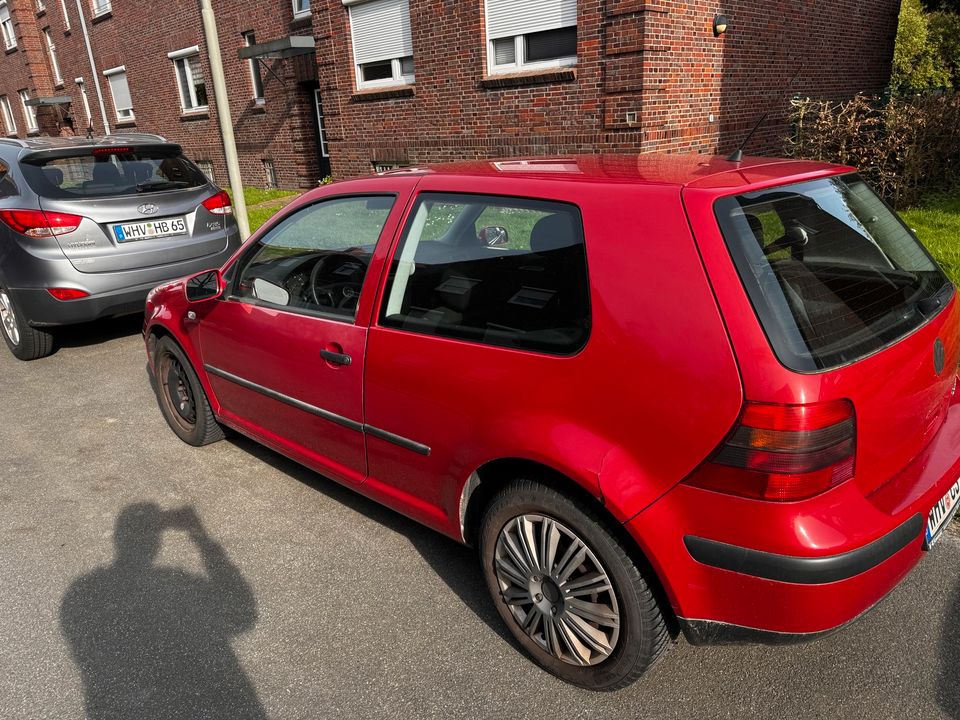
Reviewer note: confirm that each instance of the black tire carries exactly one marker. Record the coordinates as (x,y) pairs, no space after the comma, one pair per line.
(642,634)
(27,343)
(181,397)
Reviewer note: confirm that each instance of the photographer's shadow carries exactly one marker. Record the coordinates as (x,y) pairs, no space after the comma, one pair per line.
(153,641)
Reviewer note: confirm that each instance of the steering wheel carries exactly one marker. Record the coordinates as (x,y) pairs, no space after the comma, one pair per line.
(343,295)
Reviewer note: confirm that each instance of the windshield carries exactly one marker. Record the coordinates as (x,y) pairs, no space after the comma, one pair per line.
(110,172)
(831,270)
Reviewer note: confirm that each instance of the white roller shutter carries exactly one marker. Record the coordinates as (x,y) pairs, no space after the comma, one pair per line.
(506,18)
(120,90)
(381,30)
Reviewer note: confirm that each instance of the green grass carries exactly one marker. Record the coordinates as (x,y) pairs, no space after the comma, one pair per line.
(256,196)
(937,223)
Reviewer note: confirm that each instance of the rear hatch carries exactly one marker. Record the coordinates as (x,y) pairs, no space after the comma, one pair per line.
(140,205)
(846,293)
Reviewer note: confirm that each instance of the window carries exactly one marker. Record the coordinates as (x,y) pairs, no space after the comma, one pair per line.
(54,63)
(206,167)
(101,7)
(382,42)
(193,88)
(29,111)
(321,127)
(9,123)
(122,102)
(40,6)
(301,8)
(499,271)
(256,80)
(531,34)
(76,174)
(269,173)
(316,259)
(831,271)
(6,26)
(66,15)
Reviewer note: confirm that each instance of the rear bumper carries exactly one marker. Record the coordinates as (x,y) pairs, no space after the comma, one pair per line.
(738,570)
(111,294)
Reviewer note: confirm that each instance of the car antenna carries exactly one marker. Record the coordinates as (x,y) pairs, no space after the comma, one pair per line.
(737,155)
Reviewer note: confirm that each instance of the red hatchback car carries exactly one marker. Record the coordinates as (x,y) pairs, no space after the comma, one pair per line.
(658,393)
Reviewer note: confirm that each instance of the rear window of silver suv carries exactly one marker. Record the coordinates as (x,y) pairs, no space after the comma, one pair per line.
(832,272)
(109,172)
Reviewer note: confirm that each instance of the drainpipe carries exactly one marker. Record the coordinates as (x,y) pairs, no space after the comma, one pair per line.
(223,115)
(93,68)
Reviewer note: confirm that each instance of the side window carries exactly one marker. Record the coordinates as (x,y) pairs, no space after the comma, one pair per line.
(494,270)
(316,259)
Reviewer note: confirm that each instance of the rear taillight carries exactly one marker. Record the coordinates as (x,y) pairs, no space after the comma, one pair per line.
(40,224)
(219,204)
(67,293)
(784,452)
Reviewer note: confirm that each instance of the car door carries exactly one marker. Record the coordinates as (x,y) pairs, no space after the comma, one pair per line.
(284,349)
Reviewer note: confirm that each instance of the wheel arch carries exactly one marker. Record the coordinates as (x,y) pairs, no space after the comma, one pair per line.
(155,332)
(484,483)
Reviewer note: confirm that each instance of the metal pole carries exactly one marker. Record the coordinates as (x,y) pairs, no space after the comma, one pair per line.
(93,69)
(223,115)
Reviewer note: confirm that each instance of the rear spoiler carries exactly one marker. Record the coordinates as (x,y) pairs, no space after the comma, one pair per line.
(38,157)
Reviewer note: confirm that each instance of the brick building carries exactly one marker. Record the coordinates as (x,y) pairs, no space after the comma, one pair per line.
(150,61)
(413,81)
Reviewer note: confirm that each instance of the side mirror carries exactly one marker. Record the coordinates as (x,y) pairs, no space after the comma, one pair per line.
(204,286)
(493,236)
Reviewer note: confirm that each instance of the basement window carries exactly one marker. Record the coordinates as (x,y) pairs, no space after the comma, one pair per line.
(101,7)
(270,174)
(531,34)
(382,42)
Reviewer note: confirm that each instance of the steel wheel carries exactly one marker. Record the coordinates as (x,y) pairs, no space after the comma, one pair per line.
(177,391)
(8,319)
(557,590)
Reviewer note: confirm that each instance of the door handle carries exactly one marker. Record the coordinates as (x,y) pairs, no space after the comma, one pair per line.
(336,358)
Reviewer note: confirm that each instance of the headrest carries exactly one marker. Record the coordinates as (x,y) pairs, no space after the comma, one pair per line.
(552,233)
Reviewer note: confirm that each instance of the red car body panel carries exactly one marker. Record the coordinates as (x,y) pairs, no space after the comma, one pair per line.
(674,351)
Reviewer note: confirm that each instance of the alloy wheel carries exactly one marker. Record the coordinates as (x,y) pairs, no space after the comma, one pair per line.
(8,320)
(557,590)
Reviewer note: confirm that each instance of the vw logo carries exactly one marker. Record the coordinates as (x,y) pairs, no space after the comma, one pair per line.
(939,356)
(148,209)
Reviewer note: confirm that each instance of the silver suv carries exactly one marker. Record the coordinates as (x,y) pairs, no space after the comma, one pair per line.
(89,226)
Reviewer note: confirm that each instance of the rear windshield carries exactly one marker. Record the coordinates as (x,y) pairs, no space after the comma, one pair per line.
(110,172)
(831,270)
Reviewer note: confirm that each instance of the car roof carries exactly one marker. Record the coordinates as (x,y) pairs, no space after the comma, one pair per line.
(682,170)
(79,141)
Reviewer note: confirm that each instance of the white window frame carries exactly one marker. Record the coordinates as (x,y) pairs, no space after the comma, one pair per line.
(101,7)
(520,63)
(66,15)
(40,6)
(9,121)
(256,78)
(121,69)
(54,62)
(6,26)
(186,55)
(299,14)
(29,111)
(397,76)
(321,127)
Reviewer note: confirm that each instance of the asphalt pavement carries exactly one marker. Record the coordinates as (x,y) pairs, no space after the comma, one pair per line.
(141,578)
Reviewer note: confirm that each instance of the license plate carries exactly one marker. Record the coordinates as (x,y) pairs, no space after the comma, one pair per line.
(128,232)
(941,514)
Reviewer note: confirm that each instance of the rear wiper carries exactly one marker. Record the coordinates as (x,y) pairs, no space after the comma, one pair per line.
(161,184)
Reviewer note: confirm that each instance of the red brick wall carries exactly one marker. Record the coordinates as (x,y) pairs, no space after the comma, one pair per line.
(660,60)
(139,36)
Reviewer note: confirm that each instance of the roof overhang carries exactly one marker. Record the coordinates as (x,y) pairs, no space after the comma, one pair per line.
(280,49)
(54,100)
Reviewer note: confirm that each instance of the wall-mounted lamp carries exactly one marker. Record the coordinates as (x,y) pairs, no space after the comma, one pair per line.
(720,23)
